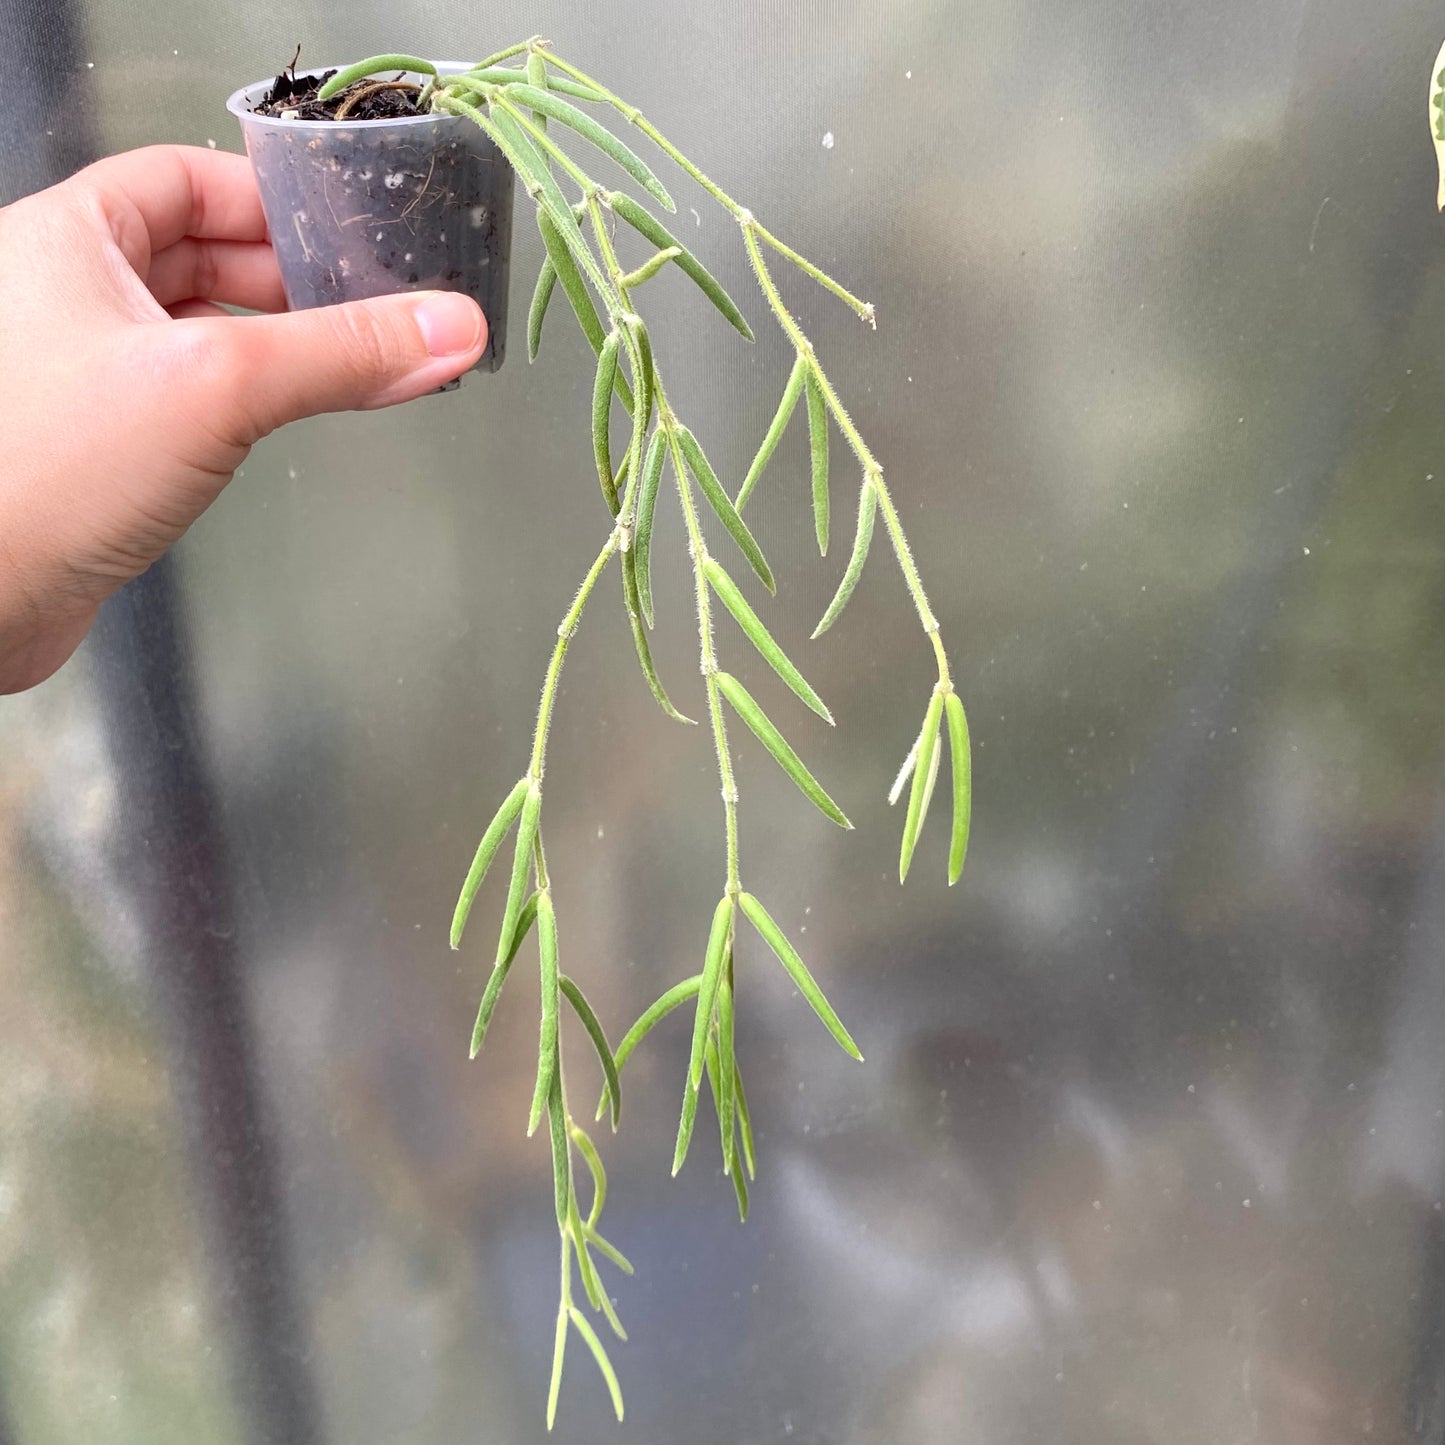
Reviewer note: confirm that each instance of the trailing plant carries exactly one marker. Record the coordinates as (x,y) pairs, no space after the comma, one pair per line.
(523,97)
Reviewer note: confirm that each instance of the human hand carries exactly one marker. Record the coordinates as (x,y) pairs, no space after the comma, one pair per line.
(130,397)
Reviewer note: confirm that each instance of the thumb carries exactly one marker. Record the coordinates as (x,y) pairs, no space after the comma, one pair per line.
(263,371)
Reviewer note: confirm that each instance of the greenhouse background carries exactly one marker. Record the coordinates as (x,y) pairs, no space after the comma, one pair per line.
(1150,1140)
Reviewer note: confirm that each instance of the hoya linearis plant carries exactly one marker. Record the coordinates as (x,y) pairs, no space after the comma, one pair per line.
(519,97)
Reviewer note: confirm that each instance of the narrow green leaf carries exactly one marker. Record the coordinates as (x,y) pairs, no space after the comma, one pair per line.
(779,424)
(537,75)
(639,638)
(712,971)
(561,1161)
(726,1086)
(961,758)
(867,510)
(521,865)
(588,1150)
(745,1123)
(609,1314)
(739,1178)
(493,990)
(610,1250)
(650,267)
(574,287)
(583,1010)
(559,1350)
(759,917)
(535,171)
(677,995)
(718,500)
(648,226)
(545,102)
(818,445)
(777,745)
(602,389)
(497,829)
(547,1045)
(684,1126)
(642,529)
(585,1267)
(760,637)
(537,312)
(648,381)
(373,66)
(922,782)
(584,1328)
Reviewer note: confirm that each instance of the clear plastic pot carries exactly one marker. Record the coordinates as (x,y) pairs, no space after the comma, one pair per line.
(367,208)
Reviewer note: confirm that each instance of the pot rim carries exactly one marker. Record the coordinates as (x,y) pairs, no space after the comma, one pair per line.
(240,101)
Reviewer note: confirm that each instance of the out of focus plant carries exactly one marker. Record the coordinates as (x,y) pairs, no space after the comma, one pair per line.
(515,96)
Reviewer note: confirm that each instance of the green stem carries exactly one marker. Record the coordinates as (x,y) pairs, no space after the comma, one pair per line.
(565,631)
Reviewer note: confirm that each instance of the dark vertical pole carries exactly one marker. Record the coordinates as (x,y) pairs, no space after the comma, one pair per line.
(178,878)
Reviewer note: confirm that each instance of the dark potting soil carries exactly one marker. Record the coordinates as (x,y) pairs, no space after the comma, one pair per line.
(293,97)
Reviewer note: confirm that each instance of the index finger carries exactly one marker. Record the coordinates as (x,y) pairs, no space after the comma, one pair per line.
(156,196)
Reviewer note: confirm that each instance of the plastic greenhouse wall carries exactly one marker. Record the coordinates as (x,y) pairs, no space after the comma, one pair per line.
(1150,1143)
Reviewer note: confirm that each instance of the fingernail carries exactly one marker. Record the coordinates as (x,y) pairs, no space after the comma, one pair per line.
(451,325)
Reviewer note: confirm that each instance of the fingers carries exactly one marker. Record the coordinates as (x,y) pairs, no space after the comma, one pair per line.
(239,273)
(154,196)
(245,376)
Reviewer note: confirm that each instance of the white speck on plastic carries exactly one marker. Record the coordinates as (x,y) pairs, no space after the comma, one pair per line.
(1246,1203)
(393,181)
(827,140)
(477,215)
(406,256)
(908,75)
(1307,551)
(291,473)
(599,830)
(90,65)
(378,235)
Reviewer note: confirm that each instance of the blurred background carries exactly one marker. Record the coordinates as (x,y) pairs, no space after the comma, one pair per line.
(1150,1141)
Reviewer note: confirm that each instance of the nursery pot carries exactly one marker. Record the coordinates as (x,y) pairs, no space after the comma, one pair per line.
(371,207)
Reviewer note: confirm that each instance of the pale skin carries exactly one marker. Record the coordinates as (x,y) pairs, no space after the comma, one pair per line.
(130,396)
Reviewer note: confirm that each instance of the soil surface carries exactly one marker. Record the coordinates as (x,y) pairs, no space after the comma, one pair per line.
(377,97)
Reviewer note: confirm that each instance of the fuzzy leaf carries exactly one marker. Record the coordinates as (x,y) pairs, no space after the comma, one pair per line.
(547,1044)
(493,990)
(374,66)
(684,1126)
(584,1011)
(588,1150)
(648,226)
(497,829)
(818,446)
(726,1088)
(651,267)
(537,312)
(718,500)
(574,286)
(922,782)
(521,865)
(959,755)
(761,638)
(677,995)
(745,1124)
(712,971)
(610,1250)
(561,1160)
(779,424)
(602,389)
(772,935)
(642,530)
(584,1328)
(867,510)
(639,638)
(777,745)
(559,1351)
(544,102)
(510,75)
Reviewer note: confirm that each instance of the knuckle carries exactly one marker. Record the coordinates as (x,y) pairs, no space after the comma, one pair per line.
(374,347)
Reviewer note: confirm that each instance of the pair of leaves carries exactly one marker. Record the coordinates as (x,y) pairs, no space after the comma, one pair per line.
(569,1315)
(804,378)
(923,763)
